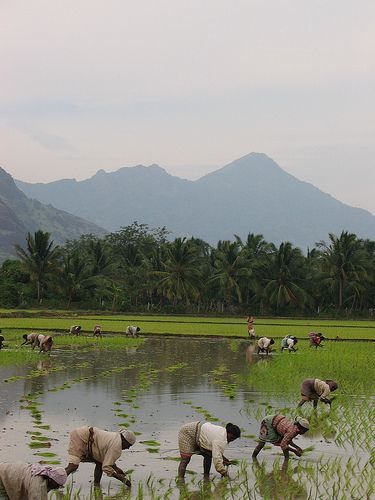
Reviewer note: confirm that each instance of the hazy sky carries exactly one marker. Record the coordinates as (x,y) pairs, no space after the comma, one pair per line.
(190,85)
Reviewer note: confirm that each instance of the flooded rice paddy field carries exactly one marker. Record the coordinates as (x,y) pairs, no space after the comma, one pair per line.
(157,384)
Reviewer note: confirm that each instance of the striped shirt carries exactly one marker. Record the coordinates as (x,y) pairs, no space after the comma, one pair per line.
(285,428)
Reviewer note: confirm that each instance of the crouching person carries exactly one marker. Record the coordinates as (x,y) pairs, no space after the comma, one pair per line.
(45,344)
(75,330)
(132,331)
(280,431)
(22,481)
(264,345)
(1,341)
(314,389)
(103,448)
(289,343)
(32,339)
(208,440)
(97,331)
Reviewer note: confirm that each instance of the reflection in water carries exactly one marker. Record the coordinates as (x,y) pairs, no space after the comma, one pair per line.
(250,353)
(44,364)
(279,483)
(204,489)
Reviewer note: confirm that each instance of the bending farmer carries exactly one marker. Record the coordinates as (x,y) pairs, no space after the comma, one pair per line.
(103,448)
(264,345)
(313,389)
(22,481)
(289,342)
(209,440)
(280,431)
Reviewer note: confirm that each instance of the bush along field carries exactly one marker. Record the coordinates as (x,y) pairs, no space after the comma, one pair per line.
(153,384)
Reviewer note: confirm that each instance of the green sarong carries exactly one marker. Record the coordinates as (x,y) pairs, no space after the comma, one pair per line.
(267,433)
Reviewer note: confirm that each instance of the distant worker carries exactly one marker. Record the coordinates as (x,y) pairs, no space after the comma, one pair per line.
(97,331)
(45,344)
(264,345)
(316,339)
(32,339)
(288,342)
(250,327)
(280,431)
(1,340)
(103,448)
(314,389)
(209,440)
(75,330)
(132,331)
(22,481)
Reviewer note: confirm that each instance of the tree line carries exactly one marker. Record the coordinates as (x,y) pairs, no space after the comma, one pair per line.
(139,269)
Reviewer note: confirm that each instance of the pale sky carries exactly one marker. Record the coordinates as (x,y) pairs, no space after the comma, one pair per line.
(190,85)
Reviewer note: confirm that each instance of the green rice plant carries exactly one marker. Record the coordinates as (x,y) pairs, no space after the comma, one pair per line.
(188,325)
(38,444)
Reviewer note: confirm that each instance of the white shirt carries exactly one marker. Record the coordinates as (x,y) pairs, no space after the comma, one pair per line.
(264,342)
(214,438)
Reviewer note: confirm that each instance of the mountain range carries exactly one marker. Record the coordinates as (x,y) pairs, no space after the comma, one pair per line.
(20,215)
(251,194)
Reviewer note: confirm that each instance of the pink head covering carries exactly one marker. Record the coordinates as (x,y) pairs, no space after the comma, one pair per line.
(58,474)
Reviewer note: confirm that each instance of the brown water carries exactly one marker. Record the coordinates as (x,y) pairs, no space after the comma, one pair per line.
(162,402)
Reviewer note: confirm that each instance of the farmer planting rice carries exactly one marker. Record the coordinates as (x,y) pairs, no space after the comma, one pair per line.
(280,431)
(208,440)
(264,345)
(103,448)
(1,341)
(313,389)
(45,344)
(22,481)
(316,339)
(32,339)
(97,331)
(288,342)
(132,331)
(75,330)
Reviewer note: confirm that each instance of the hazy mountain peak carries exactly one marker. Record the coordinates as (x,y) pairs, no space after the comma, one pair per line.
(251,194)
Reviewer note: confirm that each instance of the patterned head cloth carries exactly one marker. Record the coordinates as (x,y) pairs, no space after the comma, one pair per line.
(303,422)
(129,436)
(58,474)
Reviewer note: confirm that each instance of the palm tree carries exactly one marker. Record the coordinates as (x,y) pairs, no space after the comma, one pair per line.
(39,259)
(230,270)
(343,260)
(286,270)
(73,276)
(257,252)
(180,277)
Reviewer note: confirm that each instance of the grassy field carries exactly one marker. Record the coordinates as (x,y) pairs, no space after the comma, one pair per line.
(188,325)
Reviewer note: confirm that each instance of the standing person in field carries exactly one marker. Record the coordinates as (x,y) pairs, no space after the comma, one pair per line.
(103,448)
(264,345)
(288,342)
(22,481)
(32,339)
(250,327)
(313,389)
(280,431)
(45,344)
(132,331)
(75,330)
(209,440)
